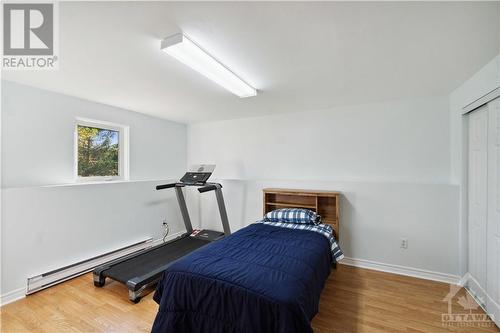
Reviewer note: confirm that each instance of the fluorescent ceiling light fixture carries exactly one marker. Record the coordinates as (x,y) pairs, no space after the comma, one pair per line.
(186,51)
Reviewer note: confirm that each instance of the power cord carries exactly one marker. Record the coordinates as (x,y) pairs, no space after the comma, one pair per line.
(166,229)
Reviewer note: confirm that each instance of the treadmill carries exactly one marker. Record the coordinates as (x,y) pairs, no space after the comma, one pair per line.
(142,269)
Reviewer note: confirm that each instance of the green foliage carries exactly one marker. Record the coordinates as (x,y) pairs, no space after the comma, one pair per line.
(97,152)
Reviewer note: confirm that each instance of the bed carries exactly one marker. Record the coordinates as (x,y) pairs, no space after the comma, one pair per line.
(263,278)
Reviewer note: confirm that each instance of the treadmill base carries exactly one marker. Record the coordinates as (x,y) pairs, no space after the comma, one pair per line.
(141,271)
(135,296)
(99,281)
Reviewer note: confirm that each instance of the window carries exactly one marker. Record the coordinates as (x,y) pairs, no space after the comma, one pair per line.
(100,151)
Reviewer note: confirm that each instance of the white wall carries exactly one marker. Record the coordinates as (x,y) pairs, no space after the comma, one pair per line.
(38,129)
(45,226)
(480,84)
(405,141)
(390,160)
(374,216)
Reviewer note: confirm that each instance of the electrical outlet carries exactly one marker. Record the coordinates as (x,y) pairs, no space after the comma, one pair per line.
(404,243)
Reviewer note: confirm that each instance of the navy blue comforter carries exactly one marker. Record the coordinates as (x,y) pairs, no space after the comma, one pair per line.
(260,279)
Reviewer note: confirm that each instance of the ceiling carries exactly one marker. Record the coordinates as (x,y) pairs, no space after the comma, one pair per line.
(300,56)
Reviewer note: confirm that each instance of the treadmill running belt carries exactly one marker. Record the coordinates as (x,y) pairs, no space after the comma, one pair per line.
(154,259)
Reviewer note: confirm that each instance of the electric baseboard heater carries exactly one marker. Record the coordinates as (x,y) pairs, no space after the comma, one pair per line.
(48,279)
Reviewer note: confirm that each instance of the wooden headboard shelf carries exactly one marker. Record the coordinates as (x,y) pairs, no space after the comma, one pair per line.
(325,203)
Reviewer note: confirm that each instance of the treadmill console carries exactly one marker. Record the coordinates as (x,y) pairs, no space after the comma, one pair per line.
(193,178)
(198,174)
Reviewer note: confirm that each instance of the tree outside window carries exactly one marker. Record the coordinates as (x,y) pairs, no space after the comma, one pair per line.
(98,152)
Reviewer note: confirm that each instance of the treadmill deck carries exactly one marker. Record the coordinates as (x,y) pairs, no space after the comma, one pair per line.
(155,259)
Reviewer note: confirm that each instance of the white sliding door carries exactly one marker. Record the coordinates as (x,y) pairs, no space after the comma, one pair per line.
(493,227)
(484,206)
(478,175)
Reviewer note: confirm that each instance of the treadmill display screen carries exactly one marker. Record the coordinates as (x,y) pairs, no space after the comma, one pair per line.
(192,178)
(198,174)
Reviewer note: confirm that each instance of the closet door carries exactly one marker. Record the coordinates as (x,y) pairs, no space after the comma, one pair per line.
(478,169)
(493,238)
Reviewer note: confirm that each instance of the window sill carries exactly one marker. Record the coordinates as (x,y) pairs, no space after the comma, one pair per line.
(103,182)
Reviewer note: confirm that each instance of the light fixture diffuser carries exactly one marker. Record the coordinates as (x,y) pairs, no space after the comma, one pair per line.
(189,53)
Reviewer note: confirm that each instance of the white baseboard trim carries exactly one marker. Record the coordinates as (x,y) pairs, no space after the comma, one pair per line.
(480,301)
(401,270)
(12,296)
(474,288)
(493,310)
(463,280)
(485,301)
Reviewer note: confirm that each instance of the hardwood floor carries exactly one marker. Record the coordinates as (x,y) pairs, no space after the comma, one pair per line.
(354,300)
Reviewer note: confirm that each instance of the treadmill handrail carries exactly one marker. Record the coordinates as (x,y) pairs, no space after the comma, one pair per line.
(202,188)
(210,187)
(161,187)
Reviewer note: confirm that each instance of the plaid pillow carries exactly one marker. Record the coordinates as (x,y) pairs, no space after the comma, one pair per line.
(293,215)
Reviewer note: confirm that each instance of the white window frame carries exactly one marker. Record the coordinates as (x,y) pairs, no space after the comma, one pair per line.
(123,149)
